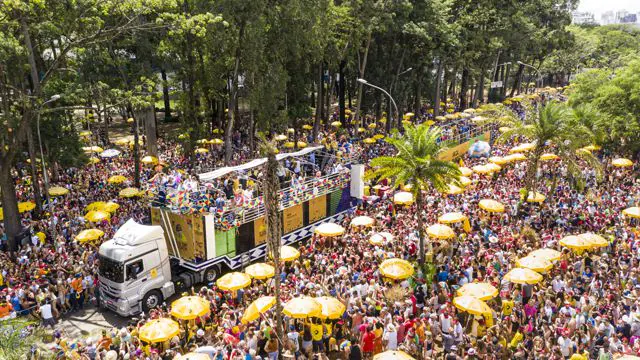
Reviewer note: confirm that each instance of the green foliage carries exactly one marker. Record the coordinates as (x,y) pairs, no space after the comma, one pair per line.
(17,336)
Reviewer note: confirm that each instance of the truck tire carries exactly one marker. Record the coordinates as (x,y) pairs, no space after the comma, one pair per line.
(151,300)
(210,275)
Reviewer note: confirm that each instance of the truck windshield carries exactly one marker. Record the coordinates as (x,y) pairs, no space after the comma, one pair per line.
(111,269)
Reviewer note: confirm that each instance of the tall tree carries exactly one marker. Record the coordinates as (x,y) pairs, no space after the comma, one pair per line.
(417,164)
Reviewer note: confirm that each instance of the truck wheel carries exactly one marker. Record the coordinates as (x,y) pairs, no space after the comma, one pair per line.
(210,275)
(151,300)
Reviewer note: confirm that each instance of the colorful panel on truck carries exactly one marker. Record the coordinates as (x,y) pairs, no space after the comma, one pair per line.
(292,219)
(317,209)
(226,243)
(459,150)
(188,231)
(260,231)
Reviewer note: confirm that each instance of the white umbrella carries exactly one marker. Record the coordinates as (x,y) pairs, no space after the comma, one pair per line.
(109,153)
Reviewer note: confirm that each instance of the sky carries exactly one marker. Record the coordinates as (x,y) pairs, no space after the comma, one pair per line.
(600,6)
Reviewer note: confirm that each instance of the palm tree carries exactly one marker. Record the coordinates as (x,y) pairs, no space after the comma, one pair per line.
(271,187)
(417,164)
(554,128)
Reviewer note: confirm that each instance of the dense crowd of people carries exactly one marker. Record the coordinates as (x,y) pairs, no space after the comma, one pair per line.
(586,306)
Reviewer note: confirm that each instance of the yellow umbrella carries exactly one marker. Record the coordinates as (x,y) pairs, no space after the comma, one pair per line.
(216,141)
(58,191)
(378,136)
(329,229)
(289,145)
(158,330)
(454,190)
(482,169)
(534,263)
(594,240)
(493,167)
(291,130)
(535,197)
(403,198)
(259,306)
(522,148)
(472,305)
(574,242)
(96,205)
(515,157)
(85,133)
(440,231)
(393,355)
(482,291)
(380,238)
(289,253)
(549,156)
(129,192)
(369,141)
(190,307)
(93,160)
(194,356)
(307,127)
(302,307)
(491,205)
(336,124)
(234,281)
(409,114)
(592,147)
(469,110)
(464,181)
(455,217)
(627,357)
(201,151)
(92,149)
(523,276)
(546,253)
(361,129)
(621,162)
(396,269)
(633,212)
(281,137)
(497,160)
(97,216)
(26,206)
(465,171)
(504,129)
(122,142)
(110,207)
(362,221)
(260,271)
(116,179)
(89,235)
(149,160)
(332,308)
(372,126)
(302,144)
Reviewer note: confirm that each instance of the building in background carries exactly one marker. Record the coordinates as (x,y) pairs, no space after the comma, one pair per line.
(607,18)
(583,18)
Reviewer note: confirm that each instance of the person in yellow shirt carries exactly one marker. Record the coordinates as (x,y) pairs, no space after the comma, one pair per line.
(316,335)
(507,307)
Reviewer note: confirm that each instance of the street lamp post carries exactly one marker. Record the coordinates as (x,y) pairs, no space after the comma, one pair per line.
(44,168)
(532,67)
(365,82)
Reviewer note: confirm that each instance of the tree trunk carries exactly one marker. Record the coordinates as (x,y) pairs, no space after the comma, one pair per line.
(341,88)
(329,96)
(233,99)
(271,187)
(418,93)
(146,116)
(318,119)
(464,87)
(517,81)
(9,207)
(37,195)
(479,94)
(363,67)
(136,148)
(436,96)
(252,130)
(505,79)
(165,95)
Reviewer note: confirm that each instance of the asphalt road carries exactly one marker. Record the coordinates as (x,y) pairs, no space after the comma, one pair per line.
(89,322)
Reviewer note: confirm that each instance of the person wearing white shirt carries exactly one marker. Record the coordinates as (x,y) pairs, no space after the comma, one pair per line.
(566,345)
(390,337)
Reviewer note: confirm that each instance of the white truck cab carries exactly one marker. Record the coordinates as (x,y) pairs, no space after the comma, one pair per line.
(135,273)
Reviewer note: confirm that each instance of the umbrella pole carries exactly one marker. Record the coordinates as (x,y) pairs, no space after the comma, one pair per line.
(272,327)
